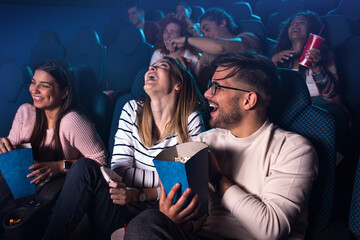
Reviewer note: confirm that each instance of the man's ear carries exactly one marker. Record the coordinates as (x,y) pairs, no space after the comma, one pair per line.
(250,100)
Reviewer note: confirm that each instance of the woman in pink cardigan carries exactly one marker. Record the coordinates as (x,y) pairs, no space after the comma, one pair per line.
(59,135)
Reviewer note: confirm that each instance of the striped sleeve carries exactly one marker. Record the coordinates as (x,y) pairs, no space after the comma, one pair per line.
(123,151)
(131,159)
(195,124)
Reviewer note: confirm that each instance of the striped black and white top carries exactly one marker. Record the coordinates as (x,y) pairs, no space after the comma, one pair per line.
(131,159)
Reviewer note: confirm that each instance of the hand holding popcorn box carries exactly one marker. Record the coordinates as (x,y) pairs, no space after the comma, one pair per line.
(186,163)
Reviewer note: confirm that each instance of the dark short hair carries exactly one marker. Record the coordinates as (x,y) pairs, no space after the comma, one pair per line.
(254,70)
(184,4)
(135,3)
(218,15)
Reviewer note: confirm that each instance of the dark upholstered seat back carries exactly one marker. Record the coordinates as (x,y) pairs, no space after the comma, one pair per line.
(137,91)
(125,58)
(292,110)
(15,80)
(354,218)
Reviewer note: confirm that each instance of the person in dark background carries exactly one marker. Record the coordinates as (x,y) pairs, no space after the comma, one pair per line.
(183,9)
(321,77)
(173,26)
(137,18)
(220,36)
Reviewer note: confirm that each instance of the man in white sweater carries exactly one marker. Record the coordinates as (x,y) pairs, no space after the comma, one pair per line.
(261,175)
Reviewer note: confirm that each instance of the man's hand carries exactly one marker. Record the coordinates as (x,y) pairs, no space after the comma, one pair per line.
(44,171)
(175,211)
(5,145)
(175,44)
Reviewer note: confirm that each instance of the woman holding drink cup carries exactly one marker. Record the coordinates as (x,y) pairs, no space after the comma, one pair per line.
(300,49)
(319,69)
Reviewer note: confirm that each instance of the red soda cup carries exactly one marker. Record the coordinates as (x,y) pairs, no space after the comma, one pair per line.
(314,41)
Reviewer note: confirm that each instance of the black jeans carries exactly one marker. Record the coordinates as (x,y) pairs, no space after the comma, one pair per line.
(153,224)
(85,191)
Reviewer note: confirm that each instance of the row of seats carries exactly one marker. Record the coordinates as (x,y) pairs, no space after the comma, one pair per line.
(113,65)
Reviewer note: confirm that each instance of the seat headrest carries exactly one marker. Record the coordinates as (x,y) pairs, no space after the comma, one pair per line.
(129,38)
(290,98)
(85,38)
(254,26)
(337,30)
(47,40)
(242,10)
(137,89)
(15,77)
(154,14)
(289,7)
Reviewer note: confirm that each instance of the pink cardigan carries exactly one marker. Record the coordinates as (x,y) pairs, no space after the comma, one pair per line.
(77,135)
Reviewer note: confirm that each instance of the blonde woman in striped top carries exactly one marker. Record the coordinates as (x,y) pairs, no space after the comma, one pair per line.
(165,118)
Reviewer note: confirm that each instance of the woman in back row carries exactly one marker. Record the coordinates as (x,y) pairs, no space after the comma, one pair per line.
(173,26)
(167,117)
(321,76)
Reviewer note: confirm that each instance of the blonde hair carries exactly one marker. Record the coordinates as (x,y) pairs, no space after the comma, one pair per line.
(188,100)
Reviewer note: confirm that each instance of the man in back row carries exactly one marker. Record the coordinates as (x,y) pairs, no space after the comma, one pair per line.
(261,175)
(136,16)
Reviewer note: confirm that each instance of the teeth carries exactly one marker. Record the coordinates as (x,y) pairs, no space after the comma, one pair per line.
(152,76)
(38,98)
(212,105)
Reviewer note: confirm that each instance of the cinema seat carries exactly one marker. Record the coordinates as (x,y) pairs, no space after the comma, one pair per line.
(292,110)
(125,58)
(87,49)
(47,47)
(15,80)
(137,92)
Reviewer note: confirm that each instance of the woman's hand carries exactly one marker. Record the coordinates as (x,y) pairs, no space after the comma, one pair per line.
(176,212)
(5,145)
(120,195)
(44,171)
(280,57)
(314,57)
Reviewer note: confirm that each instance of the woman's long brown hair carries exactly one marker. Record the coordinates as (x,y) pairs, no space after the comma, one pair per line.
(61,73)
(188,100)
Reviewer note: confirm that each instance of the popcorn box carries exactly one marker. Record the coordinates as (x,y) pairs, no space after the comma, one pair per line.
(14,166)
(193,173)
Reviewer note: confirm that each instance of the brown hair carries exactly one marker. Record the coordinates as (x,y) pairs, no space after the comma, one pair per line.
(185,29)
(61,73)
(188,100)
